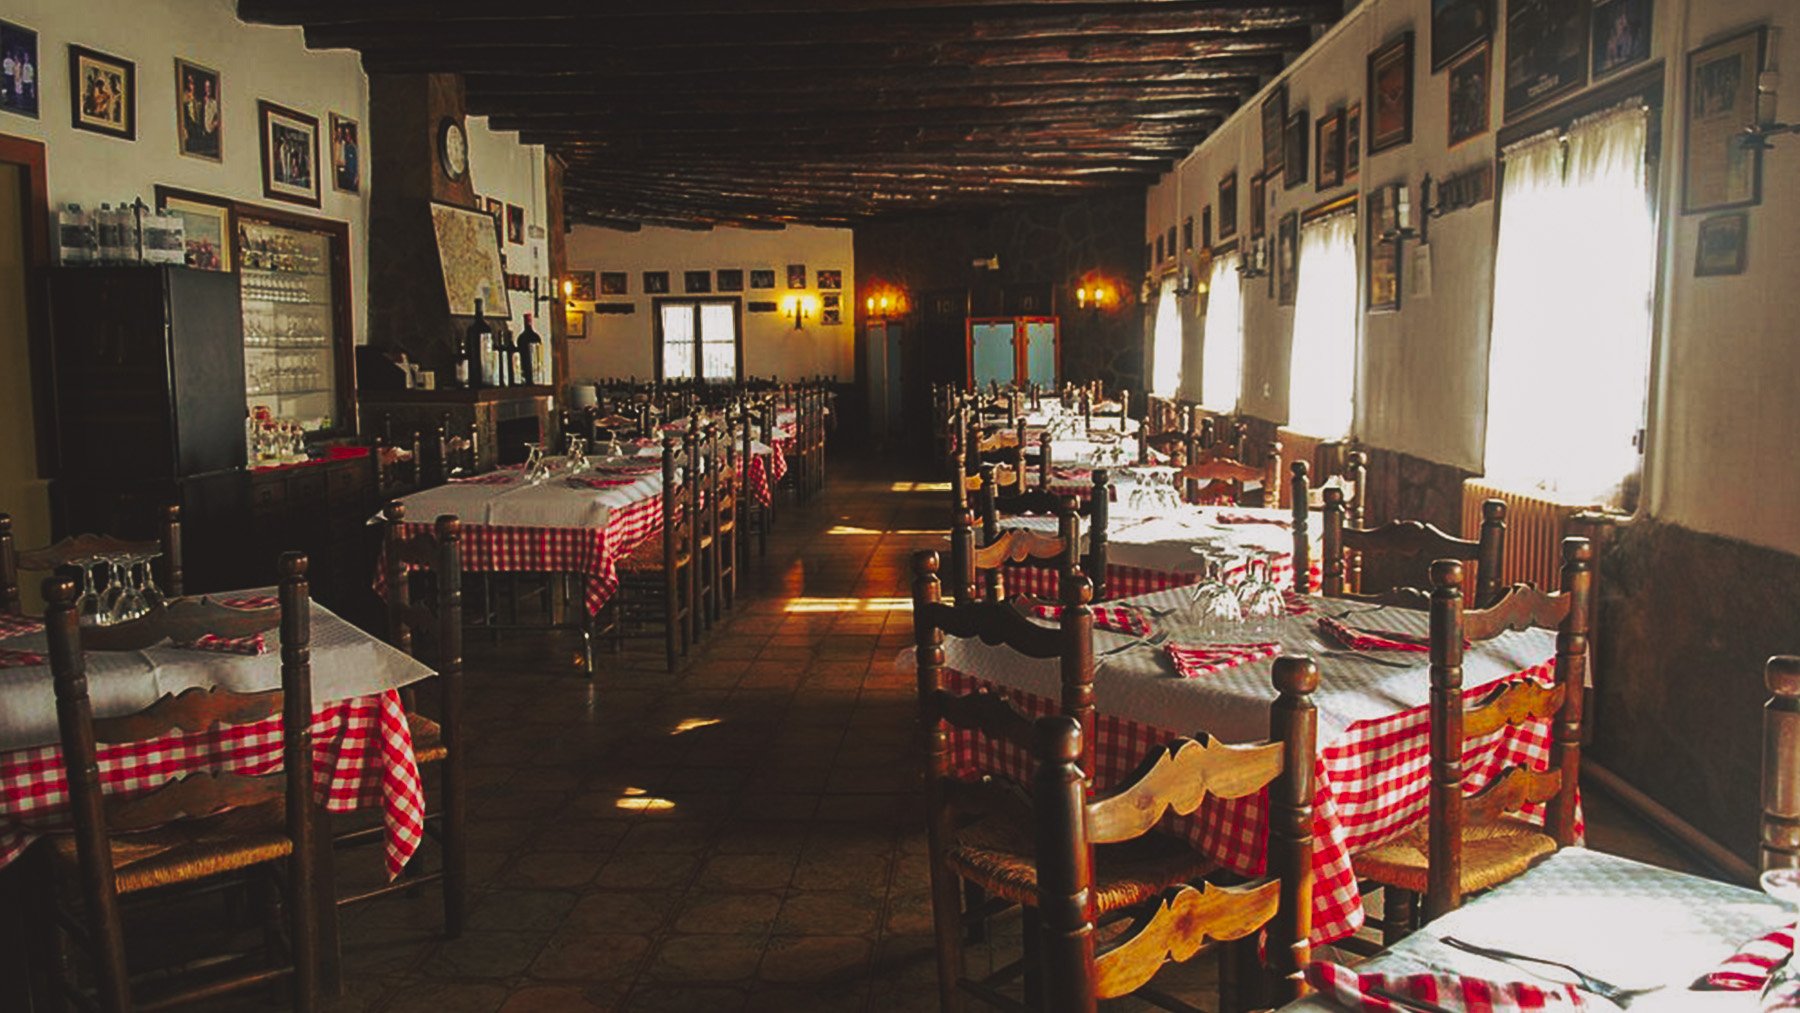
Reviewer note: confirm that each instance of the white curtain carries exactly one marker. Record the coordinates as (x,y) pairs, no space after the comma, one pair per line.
(1222,346)
(1322,376)
(678,341)
(1573,278)
(1165,344)
(718,341)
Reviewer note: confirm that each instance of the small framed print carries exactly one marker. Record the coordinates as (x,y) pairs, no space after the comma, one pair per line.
(1546,52)
(575,324)
(613,282)
(1458,26)
(831,280)
(19,81)
(290,154)
(207,226)
(583,282)
(730,279)
(1328,152)
(1293,170)
(831,308)
(1469,88)
(656,283)
(1159,248)
(1722,245)
(197,112)
(1287,258)
(1621,34)
(695,282)
(104,94)
(761,305)
(346,154)
(515,225)
(1259,206)
(1380,221)
(1274,126)
(1171,244)
(1206,233)
(1228,205)
(1390,95)
(1352,141)
(762,278)
(1717,171)
(796,276)
(1187,233)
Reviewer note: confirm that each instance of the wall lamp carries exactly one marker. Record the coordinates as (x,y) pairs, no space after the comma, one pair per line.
(884,303)
(1767,126)
(799,308)
(1097,296)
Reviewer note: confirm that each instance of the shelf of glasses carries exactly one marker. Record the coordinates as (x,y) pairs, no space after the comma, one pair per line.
(286,344)
(283,272)
(285,392)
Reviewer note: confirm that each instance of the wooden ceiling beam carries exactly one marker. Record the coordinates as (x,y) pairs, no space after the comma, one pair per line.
(671,121)
(1226,95)
(350,12)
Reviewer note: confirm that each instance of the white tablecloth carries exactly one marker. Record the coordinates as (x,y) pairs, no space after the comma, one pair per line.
(1166,540)
(551,503)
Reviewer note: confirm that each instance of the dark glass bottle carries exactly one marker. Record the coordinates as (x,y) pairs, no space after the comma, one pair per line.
(506,366)
(531,352)
(478,350)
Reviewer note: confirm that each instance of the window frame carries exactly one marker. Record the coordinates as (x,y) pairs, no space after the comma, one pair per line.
(737,326)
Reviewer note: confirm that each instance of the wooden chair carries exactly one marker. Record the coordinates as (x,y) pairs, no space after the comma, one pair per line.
(1781,764)
(1096,508)
(1299,492)
(191,831)
(1208,479)
(715,522)
(1470,843)
(657,579)
(53,557)
(752,515)
(727,514)
(433,556)
(983,573)
(1405,542)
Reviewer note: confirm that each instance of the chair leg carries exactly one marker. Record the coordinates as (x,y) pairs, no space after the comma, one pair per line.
(674,623)
(1033,946)
(973,899)
(1397,911)
(946,921)
(303,929)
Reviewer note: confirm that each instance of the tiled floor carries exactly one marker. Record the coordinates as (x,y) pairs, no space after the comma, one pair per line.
(742,835)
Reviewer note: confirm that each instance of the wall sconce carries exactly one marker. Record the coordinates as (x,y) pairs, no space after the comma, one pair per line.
(799,308)
(885,303)
(1757,137)
(1255,261)
(568,290)
(1095,296)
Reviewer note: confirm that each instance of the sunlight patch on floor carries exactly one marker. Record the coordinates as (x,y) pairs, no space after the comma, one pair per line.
(692,723)
(921,487)
(848,604)
(851,529)
(638,800)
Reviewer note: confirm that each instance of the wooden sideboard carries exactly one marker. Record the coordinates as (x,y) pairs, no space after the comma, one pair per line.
(504,418)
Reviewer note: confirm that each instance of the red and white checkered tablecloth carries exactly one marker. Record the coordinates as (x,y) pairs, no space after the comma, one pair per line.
(1373,783)
(362,757)
(766,471)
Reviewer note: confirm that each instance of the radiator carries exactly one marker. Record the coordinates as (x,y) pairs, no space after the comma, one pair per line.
(1534,532)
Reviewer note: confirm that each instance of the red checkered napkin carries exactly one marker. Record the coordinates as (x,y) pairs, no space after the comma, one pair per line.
(18,626)
(250,601)
(1074,474)
(1363,640)
(252,644)
(1451,992)
(10,658)
(1297,605)
(1749,968)
(599,483)
(1107,617)
(1230,518)
(1196,660)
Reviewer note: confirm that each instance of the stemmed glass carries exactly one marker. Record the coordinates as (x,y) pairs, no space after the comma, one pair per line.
(535,471)
(1263,604)
(114,595)
(129,604)
(577,454)
(1216,604)
(88,605)
(1782,992)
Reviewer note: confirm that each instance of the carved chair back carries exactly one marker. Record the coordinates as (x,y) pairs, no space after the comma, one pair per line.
(1408,541)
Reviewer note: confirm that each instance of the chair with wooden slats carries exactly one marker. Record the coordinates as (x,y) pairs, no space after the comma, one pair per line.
(1410,546)
(657,579)
(1471,842)
(726,515)
(983,562)
(1223,480)
(1299,492)
(1780,836)
(166,547)
(433,559)
(189,832)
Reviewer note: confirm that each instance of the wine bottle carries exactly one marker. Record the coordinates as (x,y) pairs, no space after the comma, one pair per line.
(530,354)
(509,357)
(478,351)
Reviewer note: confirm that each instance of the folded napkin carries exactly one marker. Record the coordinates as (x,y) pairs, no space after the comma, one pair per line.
(1107,617)
(1749,968)
(1196,660)
(1297,605)
(1452,992)
(10,658)
(1231,518)
(250,601)
(251,645)
(1073,474)
(491,478)
(593,482)
(18,626)
(1364,640)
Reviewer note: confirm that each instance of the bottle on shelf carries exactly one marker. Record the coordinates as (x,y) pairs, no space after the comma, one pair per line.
(507,354)
(478,352)
(531,354)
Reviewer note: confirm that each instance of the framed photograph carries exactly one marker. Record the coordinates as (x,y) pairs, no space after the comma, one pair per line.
(1723,239)
(1352,141)
(1274,126)
(613,282)
(1187,233)
(731,279)
(290,154)
(1293,155)
(656,283)
(831,308)
(1391,94)
(495,208)
(1380,218)
(1621,34)
(103,92)
(197,112)
(582,283)
(1206,232)
(19,69)
(761,305)
(695,282)
(1171,246)
(796,276)
(1159,249)
(831,279)
(346,154)
(1546,52)
(1228,205)
(1287,258)
(575,324)
(1458,26)
(207,226)
(1716,171)
(762,278)
(1259,206)
(1328,151)
(515,224)
(1469,90)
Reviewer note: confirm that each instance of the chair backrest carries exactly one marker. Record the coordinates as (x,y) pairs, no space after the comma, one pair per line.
(1177,777)
(433,552)
(1781,764)
(11,601)
(52,557)
(1299,490)
(1207,478)
(1410,542)
(680,502)
(1096,508)
(988,558)
(1514,702)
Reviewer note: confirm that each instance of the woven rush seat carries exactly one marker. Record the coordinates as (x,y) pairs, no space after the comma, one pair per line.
(997,853)
(188,849)
(1492,853)
(427,738)
(648,558)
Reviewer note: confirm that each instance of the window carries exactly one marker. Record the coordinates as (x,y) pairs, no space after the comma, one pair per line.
(1573,278)
(1165,344)
(1222,347)
(1322,377)
(698,338)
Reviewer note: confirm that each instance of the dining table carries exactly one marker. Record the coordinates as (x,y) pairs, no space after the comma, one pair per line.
(1644,929)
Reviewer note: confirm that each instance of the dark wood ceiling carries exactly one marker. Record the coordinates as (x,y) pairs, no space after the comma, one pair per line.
(761,112)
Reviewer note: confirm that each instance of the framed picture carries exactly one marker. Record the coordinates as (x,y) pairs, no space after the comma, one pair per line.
(1228,205)
(469,256)
(346,154)
(1187,233)
(762,278)
(1546,52)
(1716,171)
(656,283)
(1159,249)
(1352,141)
(496,209)
(831,279)
(1287,258)
(731,279)
(290,154)
(1621,34)
(1293,155)
(1274,126)
(612,282)
(515,224)
(831,308)
(207,226)
(103,90)
(1391,95)
(19,69)
(1328,151)
(1171,246)
(1380,219)
(609,309)
(197,112)
(1722,245)
(583,282)
(761,305)
(1458,26)
(796,276)
(694,282)
(1469,90)
(575,324)
(1259,206)
(1206,233)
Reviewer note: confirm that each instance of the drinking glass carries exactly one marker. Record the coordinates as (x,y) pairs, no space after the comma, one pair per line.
(114,593)
(88,605)
(1263,604)
(130,603)
(1782,992)
(1217,608)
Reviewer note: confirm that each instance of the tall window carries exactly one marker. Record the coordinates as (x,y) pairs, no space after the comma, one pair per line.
(1573,274)
(1165,344)
(697,338)
(1322,377)
(1222,346)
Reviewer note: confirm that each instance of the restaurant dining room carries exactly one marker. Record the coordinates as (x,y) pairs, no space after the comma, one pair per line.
(869,506)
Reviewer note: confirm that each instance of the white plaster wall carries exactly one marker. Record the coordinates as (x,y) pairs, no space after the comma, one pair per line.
(621,345)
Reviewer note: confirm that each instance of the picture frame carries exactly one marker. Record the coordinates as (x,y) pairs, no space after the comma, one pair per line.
(1722,246)
(1390,94)
(1293,156)
(796,276)
(1352,141)
(102,93)
(831,279)
(1717,172)
(762,277)
(1470,83)
(831,308)
(583,285)
(1187,233)
(208,227)
(22,80)
(1287,258)
(1382,284)
(346,154)
(656,283)
(1259,206)
(1159,248)
(610,309)
(615,283)
(290,154)
(730,279)
(575,324)
(1228,205)
(199,116)
(1206,229)
(1621,34)
(761,305)
(1274,127)
(696,282)
(515,224)
(1458,26)
(1546,52)
(469,255)
(1328,152)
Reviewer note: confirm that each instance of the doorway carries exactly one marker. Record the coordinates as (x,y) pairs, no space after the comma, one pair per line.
(24,250)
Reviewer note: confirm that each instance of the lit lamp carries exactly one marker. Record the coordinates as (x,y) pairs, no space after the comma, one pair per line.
(1094,295)
(798,308)
(568,294)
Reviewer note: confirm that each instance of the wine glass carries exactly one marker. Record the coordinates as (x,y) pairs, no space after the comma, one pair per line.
(1263,604)
(1782,992)
(114,593)
(1217,607)
(88,605)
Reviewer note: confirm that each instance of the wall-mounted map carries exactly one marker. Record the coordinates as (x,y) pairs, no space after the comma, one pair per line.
(469,251)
